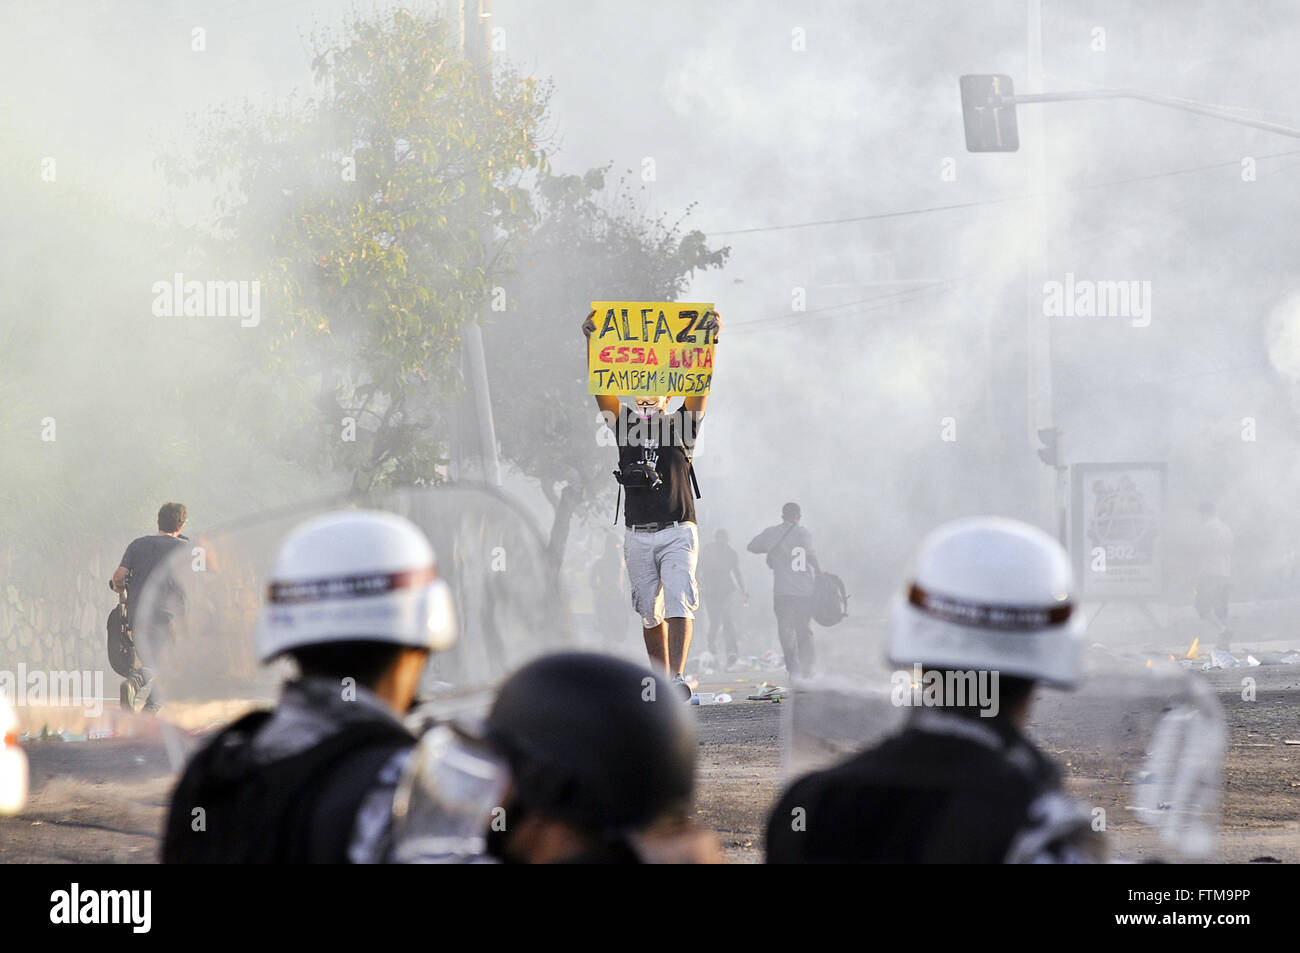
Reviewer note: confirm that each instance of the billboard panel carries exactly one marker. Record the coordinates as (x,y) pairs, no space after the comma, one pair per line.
(1116,537)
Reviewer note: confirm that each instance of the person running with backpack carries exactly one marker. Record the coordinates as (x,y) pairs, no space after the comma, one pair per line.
(790,555)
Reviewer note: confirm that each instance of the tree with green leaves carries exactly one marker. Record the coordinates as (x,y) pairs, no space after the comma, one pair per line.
(378,216)
(592,242)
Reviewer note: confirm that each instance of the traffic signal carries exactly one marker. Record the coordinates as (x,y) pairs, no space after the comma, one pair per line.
(989,113)
(1050,451)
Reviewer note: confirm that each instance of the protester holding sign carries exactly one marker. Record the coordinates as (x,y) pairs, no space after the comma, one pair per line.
(648,348)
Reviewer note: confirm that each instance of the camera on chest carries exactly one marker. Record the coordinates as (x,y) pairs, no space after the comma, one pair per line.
(640,474)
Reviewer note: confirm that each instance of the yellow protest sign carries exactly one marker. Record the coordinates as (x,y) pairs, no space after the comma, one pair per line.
(650,348)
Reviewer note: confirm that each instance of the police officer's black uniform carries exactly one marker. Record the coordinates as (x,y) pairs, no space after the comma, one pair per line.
(947,789)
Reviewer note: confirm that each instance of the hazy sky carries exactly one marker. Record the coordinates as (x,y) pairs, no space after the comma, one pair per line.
(777,114)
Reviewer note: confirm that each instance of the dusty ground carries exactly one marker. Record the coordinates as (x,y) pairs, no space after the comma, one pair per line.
(90,802)
(1261,798)
(739,774)
(103,801)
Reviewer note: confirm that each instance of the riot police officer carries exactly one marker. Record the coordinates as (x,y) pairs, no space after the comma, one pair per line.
(601,755)
(355,601)
(961,783)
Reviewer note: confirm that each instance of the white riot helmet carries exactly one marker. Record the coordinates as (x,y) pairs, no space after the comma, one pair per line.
(355,575)
(990,594)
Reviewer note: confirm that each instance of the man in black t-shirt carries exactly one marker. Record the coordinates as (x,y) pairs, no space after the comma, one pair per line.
(662,542)
(142,556)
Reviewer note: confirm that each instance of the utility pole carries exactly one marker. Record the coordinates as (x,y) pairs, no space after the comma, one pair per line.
(475,27)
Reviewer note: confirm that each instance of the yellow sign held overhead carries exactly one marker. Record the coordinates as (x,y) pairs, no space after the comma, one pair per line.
(650,348)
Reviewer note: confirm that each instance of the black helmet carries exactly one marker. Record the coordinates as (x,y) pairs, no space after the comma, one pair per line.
(595,741)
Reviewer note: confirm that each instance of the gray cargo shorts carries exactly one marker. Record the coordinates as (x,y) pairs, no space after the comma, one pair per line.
(661,572)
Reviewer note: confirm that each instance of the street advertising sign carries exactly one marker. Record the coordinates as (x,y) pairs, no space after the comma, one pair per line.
(1116,537)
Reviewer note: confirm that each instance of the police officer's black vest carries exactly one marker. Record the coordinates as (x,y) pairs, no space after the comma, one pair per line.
(299,809)
(914,798)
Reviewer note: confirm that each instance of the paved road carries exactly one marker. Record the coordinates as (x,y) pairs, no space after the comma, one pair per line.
(739,773)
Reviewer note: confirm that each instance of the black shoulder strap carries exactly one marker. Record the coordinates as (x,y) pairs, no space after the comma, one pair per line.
(783,536)
(690,464)
(618,500)
(325,827)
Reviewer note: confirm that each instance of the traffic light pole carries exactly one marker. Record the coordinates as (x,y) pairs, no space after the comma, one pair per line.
(989,115)
(1172,102)
(1053,491)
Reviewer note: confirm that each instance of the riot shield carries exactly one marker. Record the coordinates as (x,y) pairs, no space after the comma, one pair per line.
(1140,746)
(448,798)
(196,622)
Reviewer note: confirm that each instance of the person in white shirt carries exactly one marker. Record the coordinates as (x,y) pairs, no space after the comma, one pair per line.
(793,561)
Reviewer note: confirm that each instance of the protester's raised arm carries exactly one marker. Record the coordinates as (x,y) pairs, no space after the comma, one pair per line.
(607,403)
(609,406)
(712,323)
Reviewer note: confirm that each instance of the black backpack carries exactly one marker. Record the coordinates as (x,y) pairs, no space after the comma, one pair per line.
(121,644)
(830,601)
(300,809)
